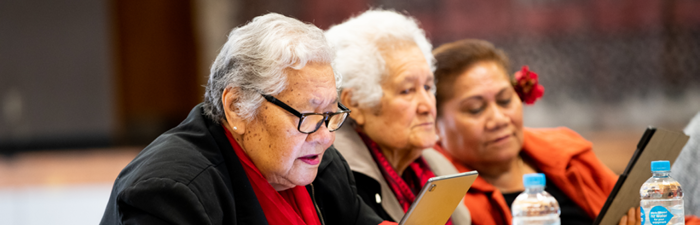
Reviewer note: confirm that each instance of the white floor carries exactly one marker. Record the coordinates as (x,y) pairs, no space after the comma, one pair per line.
(56,205)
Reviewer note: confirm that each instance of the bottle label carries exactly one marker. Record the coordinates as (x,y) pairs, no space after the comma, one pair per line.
(659,215)
(644,218)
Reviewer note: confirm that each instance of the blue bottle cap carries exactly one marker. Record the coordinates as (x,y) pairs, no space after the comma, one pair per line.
(534,179)
(661,165)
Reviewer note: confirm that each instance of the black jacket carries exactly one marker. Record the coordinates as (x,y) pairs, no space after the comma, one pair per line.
(190,175)
(370,191)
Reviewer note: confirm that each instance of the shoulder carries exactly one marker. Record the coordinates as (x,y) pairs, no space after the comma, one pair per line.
(168,157)
(439,164)
(553,134)
(560,139)
(187,154)
(180,154)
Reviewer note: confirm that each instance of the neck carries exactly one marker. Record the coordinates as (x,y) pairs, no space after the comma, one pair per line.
(400,159)
(507,176)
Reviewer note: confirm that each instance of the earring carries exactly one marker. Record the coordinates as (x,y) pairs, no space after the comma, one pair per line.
(235,128)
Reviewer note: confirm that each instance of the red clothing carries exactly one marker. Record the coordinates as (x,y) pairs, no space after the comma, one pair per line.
(291,206)
(404,187)
(566,159)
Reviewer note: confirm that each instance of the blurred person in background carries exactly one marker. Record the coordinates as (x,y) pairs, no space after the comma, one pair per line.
(250,152)
(686,169)
(388,84)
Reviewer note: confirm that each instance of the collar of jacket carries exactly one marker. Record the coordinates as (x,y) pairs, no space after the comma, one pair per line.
(350,145)
(248,210)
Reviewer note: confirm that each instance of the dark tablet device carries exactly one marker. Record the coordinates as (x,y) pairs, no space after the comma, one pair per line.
(438,199)
(655,144)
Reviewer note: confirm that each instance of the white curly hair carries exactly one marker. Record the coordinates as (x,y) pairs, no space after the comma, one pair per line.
(358,44)
(254,60)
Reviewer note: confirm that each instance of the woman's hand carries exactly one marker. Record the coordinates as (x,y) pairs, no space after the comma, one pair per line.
(633,217)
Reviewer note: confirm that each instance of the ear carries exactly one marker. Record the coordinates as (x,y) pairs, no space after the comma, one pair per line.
(357,114)
(440,128)
(233,123)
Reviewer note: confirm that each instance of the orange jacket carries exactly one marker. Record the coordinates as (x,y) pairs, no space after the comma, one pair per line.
(566,159)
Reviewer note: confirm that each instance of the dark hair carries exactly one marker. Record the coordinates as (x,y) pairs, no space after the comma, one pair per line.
(456,57)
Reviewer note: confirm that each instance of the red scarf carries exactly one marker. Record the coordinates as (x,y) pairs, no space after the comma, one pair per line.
(291,206)
(404,187)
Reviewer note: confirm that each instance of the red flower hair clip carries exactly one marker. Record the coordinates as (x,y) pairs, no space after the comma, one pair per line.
(527,86)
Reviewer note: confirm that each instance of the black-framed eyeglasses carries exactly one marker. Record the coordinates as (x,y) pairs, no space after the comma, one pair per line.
(310,122)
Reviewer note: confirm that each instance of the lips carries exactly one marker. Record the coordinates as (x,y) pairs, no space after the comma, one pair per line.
(499,139)
(426,124)
(312,159)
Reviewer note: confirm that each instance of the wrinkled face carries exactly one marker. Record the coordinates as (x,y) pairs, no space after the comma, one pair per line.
(482,122)
(405,118)
(285,156)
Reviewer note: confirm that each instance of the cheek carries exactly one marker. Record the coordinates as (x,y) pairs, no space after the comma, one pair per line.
(516,117)
(397,107)
(393,115)
(278,143)
(516,114)
(462,135)
(471,133)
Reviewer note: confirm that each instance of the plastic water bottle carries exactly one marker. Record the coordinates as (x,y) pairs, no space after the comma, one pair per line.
(534,205)
(662,197)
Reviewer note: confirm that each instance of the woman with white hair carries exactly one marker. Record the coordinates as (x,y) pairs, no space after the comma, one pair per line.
(250,152)
(388,83)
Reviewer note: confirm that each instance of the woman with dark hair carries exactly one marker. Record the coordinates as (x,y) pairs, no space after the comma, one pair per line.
(480,123)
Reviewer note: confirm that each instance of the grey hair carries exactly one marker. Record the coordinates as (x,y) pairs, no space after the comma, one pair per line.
(254,60)
(358,43)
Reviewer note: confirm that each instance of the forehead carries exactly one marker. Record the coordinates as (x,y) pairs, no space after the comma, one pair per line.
(314,82)
(407,63)
(481,77)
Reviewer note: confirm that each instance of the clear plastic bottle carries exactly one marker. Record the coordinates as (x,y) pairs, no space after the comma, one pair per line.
(662,197)
(535,206)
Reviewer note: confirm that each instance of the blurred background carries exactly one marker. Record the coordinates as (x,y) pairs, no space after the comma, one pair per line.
(86,84)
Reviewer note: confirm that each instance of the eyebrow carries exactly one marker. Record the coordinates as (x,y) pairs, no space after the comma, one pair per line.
(502,91)
(413,78)
(318,102)
(479,97)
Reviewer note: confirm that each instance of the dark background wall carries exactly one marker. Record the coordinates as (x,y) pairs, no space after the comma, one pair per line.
(56,74)
(79,73)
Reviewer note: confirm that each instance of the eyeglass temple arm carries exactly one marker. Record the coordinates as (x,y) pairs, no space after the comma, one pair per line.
(341,106)
(281,104)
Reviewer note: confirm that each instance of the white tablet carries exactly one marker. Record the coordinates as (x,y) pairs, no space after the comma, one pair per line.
(439,197)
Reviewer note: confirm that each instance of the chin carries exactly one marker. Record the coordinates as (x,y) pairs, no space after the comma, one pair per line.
(306,178)
(508,155)
(425,143)
(503,154)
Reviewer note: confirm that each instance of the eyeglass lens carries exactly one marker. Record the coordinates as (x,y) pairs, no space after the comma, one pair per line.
(311,123)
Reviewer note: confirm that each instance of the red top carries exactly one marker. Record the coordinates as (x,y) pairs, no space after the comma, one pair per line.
(291,206)
(568,161)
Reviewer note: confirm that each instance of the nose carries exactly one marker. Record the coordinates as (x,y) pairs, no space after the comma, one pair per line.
(498,118)
(426,103)
(322,136)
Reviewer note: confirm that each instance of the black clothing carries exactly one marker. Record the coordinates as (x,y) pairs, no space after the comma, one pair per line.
(571,213)
(368,189)
(190,175)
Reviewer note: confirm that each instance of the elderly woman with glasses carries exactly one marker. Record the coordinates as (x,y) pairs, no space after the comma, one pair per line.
(258,150)
(388,80)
